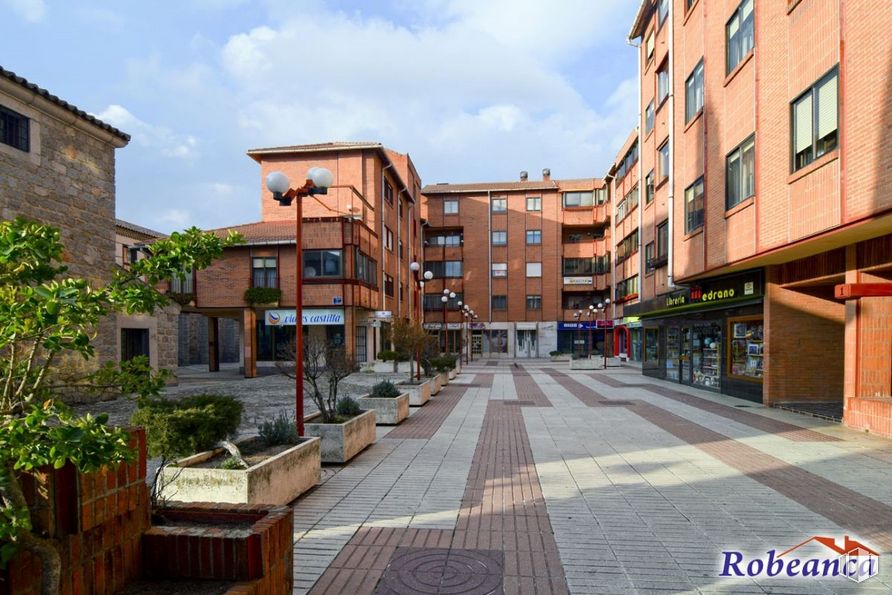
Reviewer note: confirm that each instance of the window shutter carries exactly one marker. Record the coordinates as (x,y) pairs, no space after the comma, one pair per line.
(803,118)
(827,107)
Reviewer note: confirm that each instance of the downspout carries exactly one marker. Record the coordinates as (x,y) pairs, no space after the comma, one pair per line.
(383,239)
(642,264)
(611,293)
(489,250)
(399,257)
(670,271)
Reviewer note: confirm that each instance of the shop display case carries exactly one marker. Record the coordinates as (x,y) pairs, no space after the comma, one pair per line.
(745,352)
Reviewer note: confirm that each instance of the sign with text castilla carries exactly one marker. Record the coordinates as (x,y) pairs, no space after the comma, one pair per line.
(311,317)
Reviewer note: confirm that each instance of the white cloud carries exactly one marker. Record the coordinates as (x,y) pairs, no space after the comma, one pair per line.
(176,218)
(32,11)
(167,142)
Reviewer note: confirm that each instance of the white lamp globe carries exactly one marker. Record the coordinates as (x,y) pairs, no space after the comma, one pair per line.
(444,299)
(451,295)
(414,266)
(445,292)
(607,301)
(428,275)
(321,177)
(459,304)
(277,182)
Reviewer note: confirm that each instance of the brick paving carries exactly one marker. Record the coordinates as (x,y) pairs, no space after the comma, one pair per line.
(528,480)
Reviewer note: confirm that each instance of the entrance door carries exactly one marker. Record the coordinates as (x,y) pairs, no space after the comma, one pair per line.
(526,343)
(686,355)
(134,342)
(477,343)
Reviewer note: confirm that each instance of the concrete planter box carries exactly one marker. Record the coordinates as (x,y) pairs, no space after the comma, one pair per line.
(453,373)
(419,394)
(444,378)
(435,384)
(379,367)
(277,480)
(564,357)
(587,364)
(342,442)
(389,411)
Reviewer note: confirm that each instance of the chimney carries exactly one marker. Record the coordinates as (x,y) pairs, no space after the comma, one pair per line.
(524,175)
(546,175)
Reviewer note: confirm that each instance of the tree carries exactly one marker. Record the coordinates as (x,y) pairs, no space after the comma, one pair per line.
(409,341)
(46,315)
(325,366)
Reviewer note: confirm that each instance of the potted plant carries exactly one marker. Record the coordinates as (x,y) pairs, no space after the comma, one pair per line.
(390,404)
(559,356)
(413,339)
(263,296)
(428,362)
(443,364)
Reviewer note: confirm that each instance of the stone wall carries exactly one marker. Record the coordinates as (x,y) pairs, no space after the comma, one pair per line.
(193,340)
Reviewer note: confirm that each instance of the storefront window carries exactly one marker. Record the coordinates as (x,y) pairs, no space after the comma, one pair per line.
(746,337)
(651,345)
(673,344)
(707,342)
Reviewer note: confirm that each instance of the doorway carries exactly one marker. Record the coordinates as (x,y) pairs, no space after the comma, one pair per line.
(134,342)
(526,344)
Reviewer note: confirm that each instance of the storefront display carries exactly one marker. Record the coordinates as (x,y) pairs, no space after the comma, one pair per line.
(651,345)
(746,347)
(673,355)
(707,355)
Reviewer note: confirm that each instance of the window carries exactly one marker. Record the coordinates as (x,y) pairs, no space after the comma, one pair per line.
(649,188)
(534,236)
(534,203)
(664,161)
(649,117)
(739,34)
(816,121)
(534,269)
(627,162)
(621,210)
(499,205)
(578,199)
(132,254)
(500,302)
(601,195)
(388,193)
(450,207)
(322,263)
(401,249)
(434,301)
(365,269)
(693,206)
(693,93)
(499,238)
(388,238)
(649,45)
(649,257)
(388,285)
(500,269)
(15,129)
(663,82)
(182,284)
(534,302)
(263,272)
(447,238)
(662,247)
(662,11)
(627,247)
(598,265)
(627,287)
(631,199)
(741,173)
(445,268)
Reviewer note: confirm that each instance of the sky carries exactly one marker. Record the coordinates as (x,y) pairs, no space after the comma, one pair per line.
(473,90)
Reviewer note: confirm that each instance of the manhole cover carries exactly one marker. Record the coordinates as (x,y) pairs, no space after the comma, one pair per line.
(441,570)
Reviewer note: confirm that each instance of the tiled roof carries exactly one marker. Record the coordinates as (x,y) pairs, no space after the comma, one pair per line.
(144,231)
(261,231)
(9,75)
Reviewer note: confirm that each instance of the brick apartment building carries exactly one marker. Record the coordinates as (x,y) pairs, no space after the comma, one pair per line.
(526,256)
(763,133)
(358,241)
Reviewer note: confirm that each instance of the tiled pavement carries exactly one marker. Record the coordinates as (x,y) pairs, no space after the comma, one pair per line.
(536,479)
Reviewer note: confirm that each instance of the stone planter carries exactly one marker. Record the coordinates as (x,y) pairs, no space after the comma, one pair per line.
(564,357)
(419,394)
(379,367)
(277,480)
(389,411)
(444,378)
(453,373)
(342,442)
(435,384)
(587,364)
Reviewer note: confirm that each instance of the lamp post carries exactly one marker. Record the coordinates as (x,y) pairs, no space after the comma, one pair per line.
(317,181)
(591,345)
(447,295)
(578,317)
(602,308)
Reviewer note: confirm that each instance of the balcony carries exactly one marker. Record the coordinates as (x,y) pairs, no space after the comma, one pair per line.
(586,249)
(585,216)
(443,252)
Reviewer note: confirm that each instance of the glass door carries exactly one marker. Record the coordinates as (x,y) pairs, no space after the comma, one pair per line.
(686,355)
(673,343)
(707,355)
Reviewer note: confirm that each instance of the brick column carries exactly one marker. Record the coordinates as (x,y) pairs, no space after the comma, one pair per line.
(249,345)
(213,344)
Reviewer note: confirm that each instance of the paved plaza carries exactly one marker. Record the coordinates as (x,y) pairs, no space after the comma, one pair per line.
(532,478)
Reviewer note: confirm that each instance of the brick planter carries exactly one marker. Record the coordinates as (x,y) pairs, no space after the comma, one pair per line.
(389,411)
(275,481)
(216,541)
(342,442)
(419,394)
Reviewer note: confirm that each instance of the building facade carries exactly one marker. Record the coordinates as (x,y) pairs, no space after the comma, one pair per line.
(527,257)
(761,122)
(357,243)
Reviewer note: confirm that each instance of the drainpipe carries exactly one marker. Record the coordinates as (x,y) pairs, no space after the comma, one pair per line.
(670,271)
(381,245)
(612,291)
(489,250)
(642,264)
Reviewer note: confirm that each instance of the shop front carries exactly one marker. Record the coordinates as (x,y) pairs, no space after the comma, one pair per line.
(586,338)
(709,335)
(275,331)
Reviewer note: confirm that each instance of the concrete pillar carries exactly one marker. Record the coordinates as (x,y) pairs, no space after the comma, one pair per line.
(249,344)
(213,344)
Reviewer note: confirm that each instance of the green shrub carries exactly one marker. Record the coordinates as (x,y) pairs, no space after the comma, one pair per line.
(385,390)
(181,427)
(348,407)
(231,463)
(443,363)
(262,295)
(387,355)
(278,430)
(450,360)
(555,353)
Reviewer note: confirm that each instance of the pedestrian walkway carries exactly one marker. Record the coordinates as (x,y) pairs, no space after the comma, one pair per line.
(533,478)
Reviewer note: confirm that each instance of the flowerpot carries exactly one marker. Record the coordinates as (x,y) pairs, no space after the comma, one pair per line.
(276,480)
(389,411)
(341,442)
(453,373)
(586,364)
(444,378)
(435,383)
(419,394)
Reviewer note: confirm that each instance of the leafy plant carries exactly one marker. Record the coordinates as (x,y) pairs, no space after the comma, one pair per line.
(387,355)
(46,317)
(181,427)
(325,366)
(262,295)
(348,407)
(183,299)
(555,353)
(278,430)
(385,390)
(231,463)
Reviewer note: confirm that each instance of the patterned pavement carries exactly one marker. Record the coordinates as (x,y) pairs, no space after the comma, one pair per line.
(532,478)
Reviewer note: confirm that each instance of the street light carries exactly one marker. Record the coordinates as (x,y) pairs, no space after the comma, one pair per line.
(415,267)
(318,181)
(602,308)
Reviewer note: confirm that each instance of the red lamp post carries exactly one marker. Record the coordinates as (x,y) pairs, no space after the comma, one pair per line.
(447,295)
(419,284)
(318,181)
(591,345)
(602,309)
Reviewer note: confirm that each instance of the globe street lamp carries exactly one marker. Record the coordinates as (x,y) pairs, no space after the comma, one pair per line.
(602,308)
(318,181)
(415,268)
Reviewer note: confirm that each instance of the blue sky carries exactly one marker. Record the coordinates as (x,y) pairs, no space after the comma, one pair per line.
(473,90)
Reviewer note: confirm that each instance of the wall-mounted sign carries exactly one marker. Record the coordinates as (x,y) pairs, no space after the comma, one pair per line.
(337,300)
(577,280)
(708,292)
(311,317)
(435,326)
(584,326)
(383,314)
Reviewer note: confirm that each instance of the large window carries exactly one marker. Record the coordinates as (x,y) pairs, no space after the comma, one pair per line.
(388,238)
(15,129)
(649,257)
(534,269)
(649,117)
(815,124)
(578,199)
(663,82)
(366,269)
(450,207)
(434,301)
(263,272)
(624,166)
(586,266)
(662,11)
(534,302)
(741,174)
(500,269)
(499,238)
(664,160)
(500,302)
(649,44)
(627,247)
(627,287)
(499,205)
(534,203)
(322,263)
(693,206)
(693,93)
(601,195)
(388,285)
(447,238)
(621,210)
(388,193)
(534,236)
(445,268)
(649,188)
(662,248)
(739,34)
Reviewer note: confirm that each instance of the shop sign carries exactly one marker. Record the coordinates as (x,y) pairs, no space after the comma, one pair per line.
(581,326)
(526,326)
(577,280)
(478,325)
(435,326)
(311,317)
(604,324)
(715,291)
(383,314)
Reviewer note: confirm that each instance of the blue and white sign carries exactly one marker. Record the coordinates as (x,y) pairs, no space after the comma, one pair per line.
(311,317)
